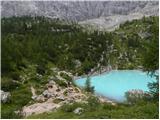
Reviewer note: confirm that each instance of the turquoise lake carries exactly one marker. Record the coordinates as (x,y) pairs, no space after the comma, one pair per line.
(114,84)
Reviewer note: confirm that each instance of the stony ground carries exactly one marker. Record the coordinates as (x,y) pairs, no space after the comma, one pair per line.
(54,96)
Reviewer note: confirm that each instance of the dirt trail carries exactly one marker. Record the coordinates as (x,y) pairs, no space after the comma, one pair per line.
(33,91)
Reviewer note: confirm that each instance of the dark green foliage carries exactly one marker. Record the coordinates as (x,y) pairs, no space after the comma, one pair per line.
(7,84)
(154,88)
(7,112)
(65,76)
(92,102)
(61,83)
(19,97)
(41,40)
(41,69)
(87,65)
(150,57)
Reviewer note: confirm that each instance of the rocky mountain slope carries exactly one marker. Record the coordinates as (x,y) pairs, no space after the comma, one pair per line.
(112,22)
(104,14)
(78,11)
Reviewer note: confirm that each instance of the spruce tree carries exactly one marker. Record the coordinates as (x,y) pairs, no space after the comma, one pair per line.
(88,86)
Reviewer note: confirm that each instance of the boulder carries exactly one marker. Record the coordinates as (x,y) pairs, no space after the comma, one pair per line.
(51,82)
(34,97)
(40,98)
(70,89)
(61,98)
(78,111)
(47,94)
(5,96)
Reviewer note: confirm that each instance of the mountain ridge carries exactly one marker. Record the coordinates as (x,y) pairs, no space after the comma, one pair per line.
(76,10)
(101,15)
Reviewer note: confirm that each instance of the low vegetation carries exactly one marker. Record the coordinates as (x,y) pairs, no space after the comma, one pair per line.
(96,110)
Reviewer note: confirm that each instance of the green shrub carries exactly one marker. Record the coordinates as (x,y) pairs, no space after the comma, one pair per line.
(70,108)
(65,93)
(41,69)
(7,84)
(15,75)
(92,102)
(107,106)
(7,112)
(61,83)
(154,88)
(65,76)
(19,98)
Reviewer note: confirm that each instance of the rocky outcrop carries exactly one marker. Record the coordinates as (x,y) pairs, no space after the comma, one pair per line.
(110,23)
(5,96)
(38,108)
(135,95)
(54,97)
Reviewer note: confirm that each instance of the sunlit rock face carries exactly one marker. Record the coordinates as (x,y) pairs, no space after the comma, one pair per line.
(77,11)
(101,15)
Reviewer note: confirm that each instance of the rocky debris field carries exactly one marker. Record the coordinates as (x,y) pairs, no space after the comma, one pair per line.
(52,98)
(55,96)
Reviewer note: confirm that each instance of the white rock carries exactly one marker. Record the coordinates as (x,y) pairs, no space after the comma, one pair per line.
(5,96)
(47,94)
(34,97)
(40,98)
(51,82)
(78,111)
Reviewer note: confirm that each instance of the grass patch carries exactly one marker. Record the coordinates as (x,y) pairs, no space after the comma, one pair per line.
(19,98)
(147,110)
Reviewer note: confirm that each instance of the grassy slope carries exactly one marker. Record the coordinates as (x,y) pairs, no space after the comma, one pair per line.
(140,110)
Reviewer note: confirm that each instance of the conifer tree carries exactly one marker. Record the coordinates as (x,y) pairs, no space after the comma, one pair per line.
(88,86)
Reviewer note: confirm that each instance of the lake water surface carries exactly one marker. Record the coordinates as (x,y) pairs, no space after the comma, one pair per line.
(114,84)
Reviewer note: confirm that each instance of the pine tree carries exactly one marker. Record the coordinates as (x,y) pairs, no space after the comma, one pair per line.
(88,86)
